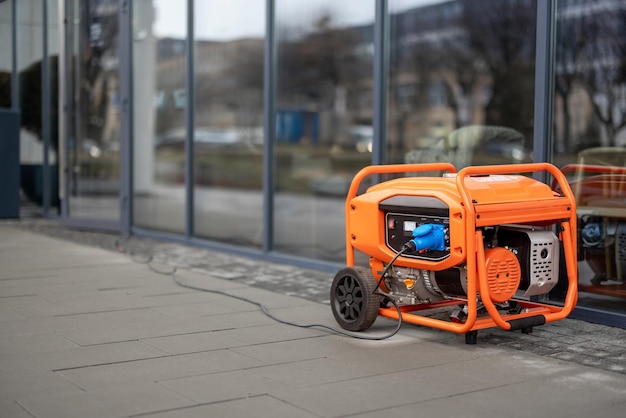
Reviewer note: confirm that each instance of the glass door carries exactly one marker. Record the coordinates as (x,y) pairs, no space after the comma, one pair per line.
(92,142)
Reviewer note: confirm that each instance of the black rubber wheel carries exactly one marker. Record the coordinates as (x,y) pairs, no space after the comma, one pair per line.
(353,303)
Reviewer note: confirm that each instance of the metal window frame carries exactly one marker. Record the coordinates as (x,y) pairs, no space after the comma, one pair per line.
(544,83)
(269,129)
(15,104)
(381,77)
(189,122)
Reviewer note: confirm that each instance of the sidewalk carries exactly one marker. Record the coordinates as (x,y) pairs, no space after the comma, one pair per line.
(91,332)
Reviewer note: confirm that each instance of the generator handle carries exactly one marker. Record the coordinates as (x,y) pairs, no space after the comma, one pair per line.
(394,168)
(558,176)
(383,169)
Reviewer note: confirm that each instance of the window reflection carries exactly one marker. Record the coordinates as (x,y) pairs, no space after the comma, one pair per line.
(461,81)
(323,120)
(94,131)
(228,116)
(590,141)
(6,59)
(159,56)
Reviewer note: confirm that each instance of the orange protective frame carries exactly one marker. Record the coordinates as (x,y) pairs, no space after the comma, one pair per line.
(467,215)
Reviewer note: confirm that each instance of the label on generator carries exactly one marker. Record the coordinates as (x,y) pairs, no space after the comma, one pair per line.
(493,179)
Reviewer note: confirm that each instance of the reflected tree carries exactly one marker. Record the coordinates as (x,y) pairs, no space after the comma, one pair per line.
(5,89)
(502,35)
(601,62)
(319,68)
(31,100)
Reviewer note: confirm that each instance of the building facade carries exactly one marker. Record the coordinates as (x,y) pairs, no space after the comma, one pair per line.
(239,125)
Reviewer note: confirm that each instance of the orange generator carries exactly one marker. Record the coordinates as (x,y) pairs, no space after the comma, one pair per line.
(461,252)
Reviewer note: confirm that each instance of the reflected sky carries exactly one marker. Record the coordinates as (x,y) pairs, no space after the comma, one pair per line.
(240,18)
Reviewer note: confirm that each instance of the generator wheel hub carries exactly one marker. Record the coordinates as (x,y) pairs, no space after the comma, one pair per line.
(353,303)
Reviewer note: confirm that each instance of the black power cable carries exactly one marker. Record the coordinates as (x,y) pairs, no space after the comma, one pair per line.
(408,246)
(172,273)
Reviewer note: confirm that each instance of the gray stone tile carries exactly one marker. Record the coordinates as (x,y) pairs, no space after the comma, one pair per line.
(458,405)
(272,300)
(26,326)
(19,385)
(205,280)
(380,392)
(76,357)
(197,310)
(7,314)
(407,355)
(109,402)
(167,327)
(307,373)
(13,410)
(272,332)
(259,407)
(194,342)
(293,350)
(579,393)
(30,343)
(152,370)
(31,306)
(115,318)
(216,387)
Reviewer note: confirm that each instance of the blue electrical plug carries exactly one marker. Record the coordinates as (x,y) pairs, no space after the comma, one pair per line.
(429,237)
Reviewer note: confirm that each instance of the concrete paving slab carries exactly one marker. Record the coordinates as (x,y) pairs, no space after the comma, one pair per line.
(272,332)
(86,356)
(320,371)
(293,350)
(395,356)
(13,410)
(263,406)
(345,397)
(193,310)
(577,393)
(162,368)
(115,318)
(7,314)
(194,342)
(34,384)
(30,343)
(452,406)
(219,387)
(139,330)
(109,402)
(26,326)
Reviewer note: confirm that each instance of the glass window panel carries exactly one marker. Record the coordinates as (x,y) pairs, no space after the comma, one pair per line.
(461,81)
(159,114)
(228,116)
(29,66)
(590,141)
(53,103)
(323,120)
(94,127)
(6,58)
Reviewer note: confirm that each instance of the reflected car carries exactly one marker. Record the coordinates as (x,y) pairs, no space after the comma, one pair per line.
(362,137)
(474,145)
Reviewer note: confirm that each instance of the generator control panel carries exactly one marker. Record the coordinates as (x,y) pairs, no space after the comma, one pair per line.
(405,214)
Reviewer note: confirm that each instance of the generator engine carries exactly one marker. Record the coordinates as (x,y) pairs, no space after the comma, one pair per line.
(485,241)
(519,262)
